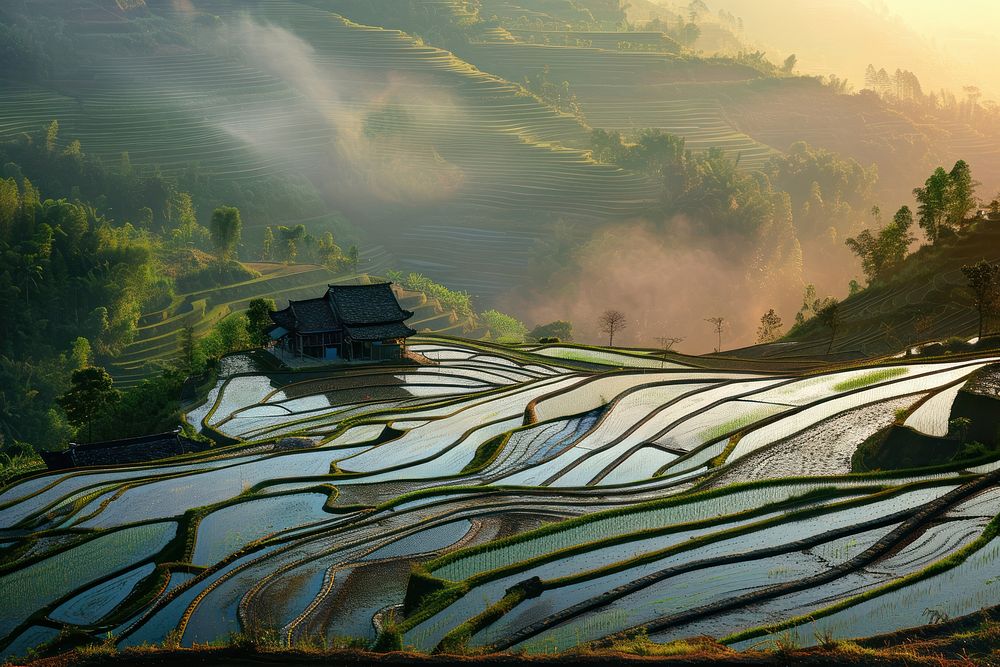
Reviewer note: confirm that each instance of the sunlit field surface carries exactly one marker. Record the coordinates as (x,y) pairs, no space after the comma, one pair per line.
(527,498)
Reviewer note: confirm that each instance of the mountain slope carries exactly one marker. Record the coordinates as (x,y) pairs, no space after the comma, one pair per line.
(925,300)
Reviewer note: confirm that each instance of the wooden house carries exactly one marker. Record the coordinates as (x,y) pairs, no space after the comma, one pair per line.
(349,322)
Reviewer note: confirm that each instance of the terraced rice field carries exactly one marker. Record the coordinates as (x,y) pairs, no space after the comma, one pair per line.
(551,501)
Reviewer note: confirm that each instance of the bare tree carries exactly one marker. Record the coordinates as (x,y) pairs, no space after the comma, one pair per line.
(718,324)
(667,343)
(612,322)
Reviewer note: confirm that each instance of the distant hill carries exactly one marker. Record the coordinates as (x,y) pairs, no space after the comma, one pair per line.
(455,140)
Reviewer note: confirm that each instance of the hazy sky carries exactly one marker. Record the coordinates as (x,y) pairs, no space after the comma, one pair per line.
(965,30)
(946,44)
(973,15)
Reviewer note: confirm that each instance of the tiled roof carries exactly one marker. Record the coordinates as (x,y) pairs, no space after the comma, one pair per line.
(365,312)
(367,304)
(284,318)
(379,331)
(314,315)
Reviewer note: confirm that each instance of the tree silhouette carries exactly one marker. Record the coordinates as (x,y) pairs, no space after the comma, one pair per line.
(829,315)
(612,322)
(91,392)
(666,344)
(259,319)
(226,228)
(770,327)
(982,279)
(352,258)
(718,324)
(188,349)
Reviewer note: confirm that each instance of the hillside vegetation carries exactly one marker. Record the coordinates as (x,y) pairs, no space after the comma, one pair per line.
(925,300)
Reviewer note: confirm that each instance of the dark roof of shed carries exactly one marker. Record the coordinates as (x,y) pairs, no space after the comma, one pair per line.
(128,450)
(313,315)
(367,304)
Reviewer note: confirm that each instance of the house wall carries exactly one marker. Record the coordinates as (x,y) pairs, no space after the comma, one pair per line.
(320,345)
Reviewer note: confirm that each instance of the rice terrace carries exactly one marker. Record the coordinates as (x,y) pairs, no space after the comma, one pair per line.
(406,332)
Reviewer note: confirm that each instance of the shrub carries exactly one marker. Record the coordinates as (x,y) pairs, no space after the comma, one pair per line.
(956,344)
(553,332)
(459,302)
(215,274)
(503,328)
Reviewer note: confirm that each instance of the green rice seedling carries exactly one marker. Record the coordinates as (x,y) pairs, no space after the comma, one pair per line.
(880,375)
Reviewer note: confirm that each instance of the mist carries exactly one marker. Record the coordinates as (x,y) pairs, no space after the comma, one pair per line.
(666,284)
(364,154)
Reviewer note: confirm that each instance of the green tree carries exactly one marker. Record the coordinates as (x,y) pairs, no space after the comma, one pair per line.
(74,151)
(961,195)
(268,246)
(807,309)
(81,354)
(234,333)
(770,327)
(145,220)
(29,271)
(229,335)
(503,327)
(226,228)
(91,393)
(188,361)
(789,65)
(932,203)
(259,320)
(291,251)
(982,278)
(186,231)
(352,257)
(560,329)
(51,136)
(329,253)
(896,237)
(886,248)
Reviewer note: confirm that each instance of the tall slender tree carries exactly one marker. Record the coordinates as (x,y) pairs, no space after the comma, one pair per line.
(226,228)
(932,200)
(718,325)
(268,246)
(961,194)
(829,315)
(259,319)
(984,282)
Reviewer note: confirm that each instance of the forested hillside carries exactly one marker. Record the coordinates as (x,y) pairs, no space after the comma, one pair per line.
(546,158)
(469,141)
